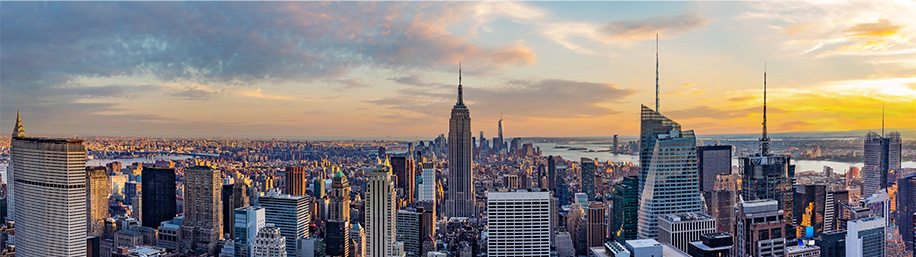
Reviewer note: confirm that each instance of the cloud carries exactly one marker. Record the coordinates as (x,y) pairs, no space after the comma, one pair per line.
(547,98)
(880,28)
(646,29)
(569,34)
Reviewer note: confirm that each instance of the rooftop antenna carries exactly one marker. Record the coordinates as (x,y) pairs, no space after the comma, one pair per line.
(460,90)
(764,141)
(656,74)
(882,118)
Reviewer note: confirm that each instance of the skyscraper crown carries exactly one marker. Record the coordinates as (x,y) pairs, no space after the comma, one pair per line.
(18,130)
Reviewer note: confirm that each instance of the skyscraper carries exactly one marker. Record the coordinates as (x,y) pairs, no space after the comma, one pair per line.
(296,181)
(882,154)
(906,207)
(290,213)
(337,238)
(234,196)
(865,237)
(409,225)
(616,148)
(502,141)
(588,177)
(339,198)
(652,124)
(203,217)
(625,211)
(97,196)
(247,222)
(427,192)
(49,176)
(509,210)
(712,161)
(813,208)
(596,224)
(159,193)
(404,170)
(769,176)
(670,183)
(461,197)
(380,213)
(760,230)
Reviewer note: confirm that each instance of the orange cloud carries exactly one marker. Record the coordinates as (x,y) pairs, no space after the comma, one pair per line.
(881,28)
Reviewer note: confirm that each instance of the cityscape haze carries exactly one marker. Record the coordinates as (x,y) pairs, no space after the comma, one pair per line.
(345,129)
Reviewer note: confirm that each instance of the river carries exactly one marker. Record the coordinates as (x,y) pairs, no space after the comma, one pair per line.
(800,165)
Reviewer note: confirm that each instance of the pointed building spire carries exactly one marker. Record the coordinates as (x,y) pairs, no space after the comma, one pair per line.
(764,140)
(460,90)
(882,119)
(656,73)
(18,130)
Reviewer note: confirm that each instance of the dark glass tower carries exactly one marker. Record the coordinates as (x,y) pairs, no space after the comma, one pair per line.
(588,178)
(159,193)
(625,210)
(882,154)
(906,208)
(460,200)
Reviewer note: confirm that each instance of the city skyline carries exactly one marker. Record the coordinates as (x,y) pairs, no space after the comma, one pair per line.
(389,69)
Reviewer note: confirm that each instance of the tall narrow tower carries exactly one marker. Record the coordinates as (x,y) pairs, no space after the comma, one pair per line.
(460,201)
(502,141)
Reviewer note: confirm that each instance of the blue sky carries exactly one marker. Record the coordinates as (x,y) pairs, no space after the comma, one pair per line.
(376,69)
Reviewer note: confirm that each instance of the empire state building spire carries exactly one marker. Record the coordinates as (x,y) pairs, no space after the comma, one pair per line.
(460,90)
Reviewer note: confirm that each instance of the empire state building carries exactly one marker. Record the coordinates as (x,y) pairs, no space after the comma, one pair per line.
(460,199)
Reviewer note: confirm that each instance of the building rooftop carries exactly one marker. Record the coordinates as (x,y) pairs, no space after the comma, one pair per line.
(686,217)
(640,243)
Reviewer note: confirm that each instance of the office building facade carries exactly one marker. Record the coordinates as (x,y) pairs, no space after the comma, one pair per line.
(160,194)
(289,214)
(510,210)
(671,182)
(203,223)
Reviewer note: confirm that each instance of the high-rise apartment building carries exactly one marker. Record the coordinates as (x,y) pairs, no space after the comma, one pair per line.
(160,194)
(588,177)
(290,214)
(461,197)
(671,185)
(760,230)
(381,220)
(50,205)
(596,224)
(681,229)
(865,237)
(97,192)
(510,210)
(203,222)
(339,198)
(882,154)
(296,180)
(247,222)
(625,211)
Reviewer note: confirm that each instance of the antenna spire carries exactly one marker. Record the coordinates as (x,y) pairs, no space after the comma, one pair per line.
(460,90)
(656,73)
(882,118)
(765,140)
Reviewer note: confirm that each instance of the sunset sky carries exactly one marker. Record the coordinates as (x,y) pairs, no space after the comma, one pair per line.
(377,69)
